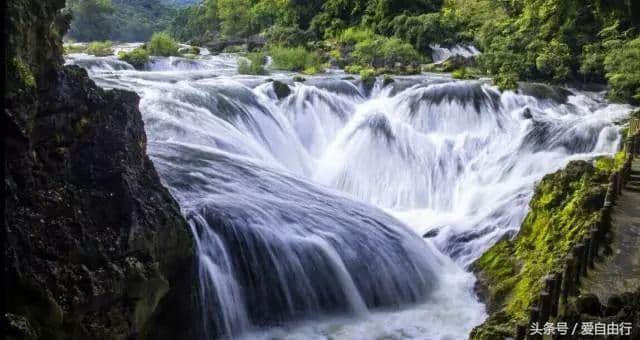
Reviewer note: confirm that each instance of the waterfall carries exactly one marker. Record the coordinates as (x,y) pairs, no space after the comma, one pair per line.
(308,211)
(439,54)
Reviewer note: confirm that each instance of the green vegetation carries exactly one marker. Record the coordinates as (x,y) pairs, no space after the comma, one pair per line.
(118,20)
(462,73)
(100,48)
(137,58)
(296,59)
(24,73)
(74,48)
(194,21)
(565,204)
(622,66)
(556,41)
(161,44)
(253,63)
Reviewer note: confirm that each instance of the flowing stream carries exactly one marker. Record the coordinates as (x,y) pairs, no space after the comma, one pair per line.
(309,211)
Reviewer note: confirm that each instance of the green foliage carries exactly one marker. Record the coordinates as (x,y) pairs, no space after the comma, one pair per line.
(368,77)
(622,68)
(296,59)
(235,16)
(70,48)
(100,48)
(117,20)
(375,51)
(91,19)
(194,21)
(462,73)
(253,63)
(549,40)
(422,30)
(354,35)
(161,44)
(137,57)
(24,73)
(565,204)
(607,165)
(554,61)
(286,36)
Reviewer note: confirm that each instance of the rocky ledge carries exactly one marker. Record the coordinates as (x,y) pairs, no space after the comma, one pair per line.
(96,247)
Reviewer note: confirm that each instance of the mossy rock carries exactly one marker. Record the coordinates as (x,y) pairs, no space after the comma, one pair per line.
(511,273)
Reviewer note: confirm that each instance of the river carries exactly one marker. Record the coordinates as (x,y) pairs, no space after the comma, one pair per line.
(309,211)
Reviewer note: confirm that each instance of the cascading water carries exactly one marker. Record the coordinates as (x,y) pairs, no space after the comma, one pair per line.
(308,211)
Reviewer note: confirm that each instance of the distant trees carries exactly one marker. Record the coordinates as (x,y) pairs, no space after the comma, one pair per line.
(91,19)
(118,20)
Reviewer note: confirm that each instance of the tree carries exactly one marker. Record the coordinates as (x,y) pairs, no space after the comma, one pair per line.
(235,17)
(91,20)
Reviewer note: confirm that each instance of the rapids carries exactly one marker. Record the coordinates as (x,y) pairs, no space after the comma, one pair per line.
(309,211)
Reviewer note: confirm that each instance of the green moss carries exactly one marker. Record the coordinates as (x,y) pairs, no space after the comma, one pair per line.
(24,73)
(565,204)
(607,165)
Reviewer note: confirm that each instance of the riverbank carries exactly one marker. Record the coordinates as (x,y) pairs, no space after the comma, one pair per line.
(564,210)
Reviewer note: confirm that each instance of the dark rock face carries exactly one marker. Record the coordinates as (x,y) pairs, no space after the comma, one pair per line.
(96,247)
(281,89)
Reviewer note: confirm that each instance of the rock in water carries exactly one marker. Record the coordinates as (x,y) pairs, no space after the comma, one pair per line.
(96,247)
(281,89)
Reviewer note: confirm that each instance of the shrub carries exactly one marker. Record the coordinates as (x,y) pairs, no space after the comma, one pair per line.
(137,58)
(378,51)
(461,73)
(253,63)
(100,49)
(286,36)
(555,60)
(74,48)
(354,35)
(296,59)
(422,30)
(368,77)
(161,44)
(623,71)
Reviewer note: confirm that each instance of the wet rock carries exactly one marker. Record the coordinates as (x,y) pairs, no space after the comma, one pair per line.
(588,304)
(81,199)
(281,89)
(431,233)
(387,80)
(544,91)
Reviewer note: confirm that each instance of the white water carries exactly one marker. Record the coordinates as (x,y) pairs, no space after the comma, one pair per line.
(439,53)
(308,210)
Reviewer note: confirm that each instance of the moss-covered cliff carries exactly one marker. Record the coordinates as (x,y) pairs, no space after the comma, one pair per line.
(510,275)
(96,247)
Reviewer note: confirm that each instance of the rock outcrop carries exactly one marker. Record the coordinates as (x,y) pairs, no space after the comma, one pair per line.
(96,247)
